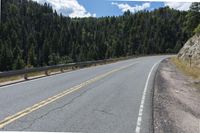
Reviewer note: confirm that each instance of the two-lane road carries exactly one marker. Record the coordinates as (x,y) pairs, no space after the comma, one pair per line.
(112,98)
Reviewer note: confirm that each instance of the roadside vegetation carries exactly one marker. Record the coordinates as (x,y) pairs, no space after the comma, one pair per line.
(15,78)
(197,30)
(184,66)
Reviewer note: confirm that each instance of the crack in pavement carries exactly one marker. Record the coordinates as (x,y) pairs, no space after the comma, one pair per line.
(104,112)
(54,109)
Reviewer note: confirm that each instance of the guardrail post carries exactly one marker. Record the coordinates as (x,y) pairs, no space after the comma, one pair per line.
(62,70)
(46,73)
(75,67)
(26,76)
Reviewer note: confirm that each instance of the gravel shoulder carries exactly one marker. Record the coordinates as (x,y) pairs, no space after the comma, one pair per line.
(176,101)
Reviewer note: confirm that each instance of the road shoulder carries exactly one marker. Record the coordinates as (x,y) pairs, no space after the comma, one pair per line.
(176,101)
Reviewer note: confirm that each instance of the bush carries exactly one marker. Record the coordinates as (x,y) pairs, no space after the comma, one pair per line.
(197,30)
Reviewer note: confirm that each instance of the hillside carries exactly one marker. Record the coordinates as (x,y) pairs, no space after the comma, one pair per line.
(191,48)
(34,35)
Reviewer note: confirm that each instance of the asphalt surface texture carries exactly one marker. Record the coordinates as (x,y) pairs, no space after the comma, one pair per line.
(109,98)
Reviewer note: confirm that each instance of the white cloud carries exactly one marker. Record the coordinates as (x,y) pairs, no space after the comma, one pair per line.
(69,8)
(125,7)
(182,6)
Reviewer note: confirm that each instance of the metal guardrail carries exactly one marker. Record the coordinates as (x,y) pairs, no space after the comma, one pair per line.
(62,67)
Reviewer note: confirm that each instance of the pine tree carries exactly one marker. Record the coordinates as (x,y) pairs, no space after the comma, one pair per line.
(193,17)
(195,7)
(31,57)
(197,29)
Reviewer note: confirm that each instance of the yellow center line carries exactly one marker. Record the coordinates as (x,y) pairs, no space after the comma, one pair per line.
(43,103)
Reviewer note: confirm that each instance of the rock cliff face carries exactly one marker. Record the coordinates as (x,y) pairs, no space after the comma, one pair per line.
(191,49)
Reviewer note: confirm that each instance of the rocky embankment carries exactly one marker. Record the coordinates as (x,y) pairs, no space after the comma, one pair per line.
(191,50)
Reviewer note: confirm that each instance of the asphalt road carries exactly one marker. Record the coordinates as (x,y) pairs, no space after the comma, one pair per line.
(112,98)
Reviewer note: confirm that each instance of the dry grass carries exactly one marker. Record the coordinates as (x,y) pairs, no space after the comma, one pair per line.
(192,71)
(2,80)
(35,74)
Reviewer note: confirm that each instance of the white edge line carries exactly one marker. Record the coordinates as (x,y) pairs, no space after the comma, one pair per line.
(139,120)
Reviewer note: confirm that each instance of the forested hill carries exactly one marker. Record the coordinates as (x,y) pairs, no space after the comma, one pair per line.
(33,35)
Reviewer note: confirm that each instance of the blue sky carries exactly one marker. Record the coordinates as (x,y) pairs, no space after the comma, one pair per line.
(99,8)
(106,8)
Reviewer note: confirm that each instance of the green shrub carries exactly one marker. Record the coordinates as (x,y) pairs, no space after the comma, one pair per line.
(197,30)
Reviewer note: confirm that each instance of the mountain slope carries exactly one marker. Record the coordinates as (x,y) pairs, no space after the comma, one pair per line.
(34,35)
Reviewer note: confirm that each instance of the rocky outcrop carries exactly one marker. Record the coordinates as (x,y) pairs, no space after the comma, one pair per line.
(191,49)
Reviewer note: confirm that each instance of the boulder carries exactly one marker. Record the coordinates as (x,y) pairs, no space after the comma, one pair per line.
(191,49)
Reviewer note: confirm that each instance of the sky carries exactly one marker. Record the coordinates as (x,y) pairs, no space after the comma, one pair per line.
(99,8)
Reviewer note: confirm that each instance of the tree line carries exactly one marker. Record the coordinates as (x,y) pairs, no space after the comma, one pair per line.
(34,35)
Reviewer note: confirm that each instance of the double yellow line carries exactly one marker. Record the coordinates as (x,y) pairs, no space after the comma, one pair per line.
(43,103)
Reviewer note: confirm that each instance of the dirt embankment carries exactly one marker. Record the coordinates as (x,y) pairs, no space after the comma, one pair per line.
(176,101)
